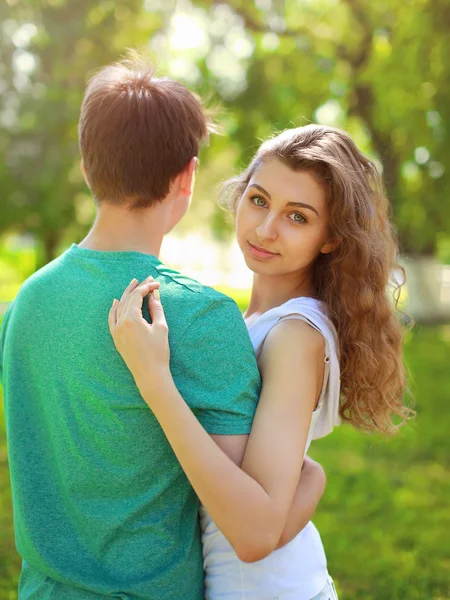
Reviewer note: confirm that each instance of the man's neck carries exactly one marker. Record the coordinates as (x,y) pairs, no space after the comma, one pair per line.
(117,229)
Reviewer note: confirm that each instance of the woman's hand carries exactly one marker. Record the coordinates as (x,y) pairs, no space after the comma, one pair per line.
(143,347)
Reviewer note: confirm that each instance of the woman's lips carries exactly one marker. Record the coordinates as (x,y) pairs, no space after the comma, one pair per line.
(260,253)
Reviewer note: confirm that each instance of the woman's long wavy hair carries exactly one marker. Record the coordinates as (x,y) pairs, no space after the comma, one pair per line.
(353,280)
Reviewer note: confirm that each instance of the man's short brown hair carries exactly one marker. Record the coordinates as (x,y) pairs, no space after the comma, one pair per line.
(137,132)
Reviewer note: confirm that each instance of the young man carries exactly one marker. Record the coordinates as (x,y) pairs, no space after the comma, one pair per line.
(102,508)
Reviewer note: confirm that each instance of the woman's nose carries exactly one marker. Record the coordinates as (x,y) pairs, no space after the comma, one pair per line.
(267,229)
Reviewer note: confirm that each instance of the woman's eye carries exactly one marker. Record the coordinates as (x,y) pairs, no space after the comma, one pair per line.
(258,200)
(297,218)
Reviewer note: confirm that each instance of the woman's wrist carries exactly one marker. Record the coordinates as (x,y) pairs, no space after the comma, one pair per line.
(155,384)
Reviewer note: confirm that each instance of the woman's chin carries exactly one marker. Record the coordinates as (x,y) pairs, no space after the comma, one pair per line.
(257,266)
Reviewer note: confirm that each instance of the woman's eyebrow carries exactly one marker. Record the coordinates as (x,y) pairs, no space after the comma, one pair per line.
(302,204)
(261,189)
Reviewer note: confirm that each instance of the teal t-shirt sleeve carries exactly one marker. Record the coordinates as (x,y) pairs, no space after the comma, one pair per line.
(2,341)
(215,370)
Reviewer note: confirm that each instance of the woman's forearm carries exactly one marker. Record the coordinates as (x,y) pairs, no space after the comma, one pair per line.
(238,504)
(307,496)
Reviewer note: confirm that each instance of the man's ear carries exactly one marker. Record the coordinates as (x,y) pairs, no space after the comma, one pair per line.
(83,170)
(330,246)
(187,177)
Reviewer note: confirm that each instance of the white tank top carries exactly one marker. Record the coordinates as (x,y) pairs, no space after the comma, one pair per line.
(298,571)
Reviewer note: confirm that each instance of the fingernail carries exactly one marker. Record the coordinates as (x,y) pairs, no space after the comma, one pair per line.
(156,294)
(134,280)
(150,278)
(115,301)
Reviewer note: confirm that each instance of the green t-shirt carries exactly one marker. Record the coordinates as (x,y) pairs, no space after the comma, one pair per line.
(101,505)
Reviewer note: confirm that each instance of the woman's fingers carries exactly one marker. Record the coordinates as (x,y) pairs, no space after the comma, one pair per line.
(134,338)
(133,303)
(130,287)
(130,304)
(156,309)
(112,317)
(134,283)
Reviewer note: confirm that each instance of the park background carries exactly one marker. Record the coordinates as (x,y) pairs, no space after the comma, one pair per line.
(380,70)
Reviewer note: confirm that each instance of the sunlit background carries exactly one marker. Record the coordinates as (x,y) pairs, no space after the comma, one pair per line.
(380,70)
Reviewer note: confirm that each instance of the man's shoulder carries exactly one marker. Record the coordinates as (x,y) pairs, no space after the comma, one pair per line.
(31,296)
(41,279)
(197,310)
(181,285)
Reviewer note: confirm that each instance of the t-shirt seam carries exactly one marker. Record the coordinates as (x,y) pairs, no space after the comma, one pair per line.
(185,285)
(158,267)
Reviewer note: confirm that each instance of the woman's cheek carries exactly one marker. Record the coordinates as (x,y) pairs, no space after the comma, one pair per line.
(243,223)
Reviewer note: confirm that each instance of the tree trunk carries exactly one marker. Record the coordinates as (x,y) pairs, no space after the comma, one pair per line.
(424,281)
(47,248)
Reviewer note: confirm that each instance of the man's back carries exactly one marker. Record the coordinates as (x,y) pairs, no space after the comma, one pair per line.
(102,507)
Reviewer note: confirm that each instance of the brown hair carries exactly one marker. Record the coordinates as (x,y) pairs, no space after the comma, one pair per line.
(353,279)
(137,132)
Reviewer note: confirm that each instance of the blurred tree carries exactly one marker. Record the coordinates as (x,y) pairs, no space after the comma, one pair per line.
(377,69)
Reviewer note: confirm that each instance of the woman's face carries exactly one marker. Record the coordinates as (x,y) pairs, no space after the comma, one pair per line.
(282,220)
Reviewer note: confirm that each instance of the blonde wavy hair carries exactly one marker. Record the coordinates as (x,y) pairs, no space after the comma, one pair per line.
(353,280)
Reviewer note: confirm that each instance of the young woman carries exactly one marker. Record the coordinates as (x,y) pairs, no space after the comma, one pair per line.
(313,225)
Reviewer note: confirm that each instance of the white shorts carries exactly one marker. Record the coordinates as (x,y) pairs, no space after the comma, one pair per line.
(328,592)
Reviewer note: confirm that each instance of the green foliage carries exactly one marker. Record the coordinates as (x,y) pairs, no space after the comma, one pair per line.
(16,265)
(383,518)
(380,70)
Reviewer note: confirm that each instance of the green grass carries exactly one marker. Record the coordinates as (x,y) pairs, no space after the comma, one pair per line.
(9,561)
(383,519)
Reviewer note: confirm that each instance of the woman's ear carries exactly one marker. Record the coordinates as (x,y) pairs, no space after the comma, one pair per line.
(330,246)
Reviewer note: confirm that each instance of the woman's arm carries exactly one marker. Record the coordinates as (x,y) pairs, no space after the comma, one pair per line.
(249,506)
(307,496)
(309,490)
